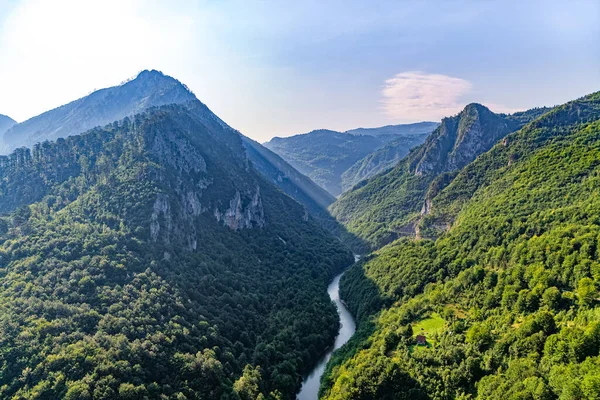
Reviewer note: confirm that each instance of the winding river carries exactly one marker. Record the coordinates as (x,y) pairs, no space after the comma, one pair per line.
(311,383)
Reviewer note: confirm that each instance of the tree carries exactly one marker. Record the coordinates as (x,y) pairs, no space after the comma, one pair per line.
(586,292)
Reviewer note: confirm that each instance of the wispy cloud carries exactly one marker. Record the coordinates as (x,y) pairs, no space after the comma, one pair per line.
(416,95)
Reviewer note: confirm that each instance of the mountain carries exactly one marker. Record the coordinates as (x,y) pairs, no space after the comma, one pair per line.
(506,296)
(390,205)
(419,128)
(148,89)
(324,155)
(149,259)
(5,123)
(380,160)
(292,182)
(151,89)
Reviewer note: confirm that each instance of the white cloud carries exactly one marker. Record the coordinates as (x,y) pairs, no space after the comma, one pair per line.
(417,95)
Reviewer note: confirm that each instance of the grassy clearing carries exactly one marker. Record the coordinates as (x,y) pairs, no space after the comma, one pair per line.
(428,326)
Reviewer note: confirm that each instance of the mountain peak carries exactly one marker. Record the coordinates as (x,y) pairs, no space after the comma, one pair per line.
(153,76)
(475,106)
(5,120)
(150,72)
(150,88)
(459,139)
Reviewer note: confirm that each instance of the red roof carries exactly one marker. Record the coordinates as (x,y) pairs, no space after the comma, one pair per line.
(421,339)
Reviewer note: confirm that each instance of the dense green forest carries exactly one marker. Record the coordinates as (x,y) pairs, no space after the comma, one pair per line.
(380,160)
(507,295)
(390,205)
(148,259)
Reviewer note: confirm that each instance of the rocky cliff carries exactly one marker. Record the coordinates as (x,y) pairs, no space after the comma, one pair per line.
(392,205)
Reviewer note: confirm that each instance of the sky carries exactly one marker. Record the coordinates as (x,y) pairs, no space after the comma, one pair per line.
(277,68)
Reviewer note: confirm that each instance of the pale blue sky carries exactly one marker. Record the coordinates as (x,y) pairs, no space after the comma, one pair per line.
(284,67)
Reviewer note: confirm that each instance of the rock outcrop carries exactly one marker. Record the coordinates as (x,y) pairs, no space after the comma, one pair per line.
(460,139)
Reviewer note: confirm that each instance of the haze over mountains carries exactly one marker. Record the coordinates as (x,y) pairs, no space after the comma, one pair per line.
(153,246)
(148,89)
(334,160)
(152,89)
(164,255)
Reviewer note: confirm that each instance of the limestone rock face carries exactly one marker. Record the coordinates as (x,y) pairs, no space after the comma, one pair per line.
(239,216)
(460,139)
(160,208)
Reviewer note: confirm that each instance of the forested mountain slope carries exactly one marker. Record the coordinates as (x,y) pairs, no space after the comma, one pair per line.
(507,299)
(151,89)
(149,259)
(292,182)
(390,205)
(380,160)
(325,155)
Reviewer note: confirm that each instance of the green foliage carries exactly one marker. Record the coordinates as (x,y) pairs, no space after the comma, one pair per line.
(380,160)
(118,281)
(389,206)
(516,276)
(383,208)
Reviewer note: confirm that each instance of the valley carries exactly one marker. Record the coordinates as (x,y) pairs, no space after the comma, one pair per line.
(220,271)
(312,381)
(500,290)
(149,258)
(337,161)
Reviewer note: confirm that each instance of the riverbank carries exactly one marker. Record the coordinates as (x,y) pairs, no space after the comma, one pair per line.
(312,382)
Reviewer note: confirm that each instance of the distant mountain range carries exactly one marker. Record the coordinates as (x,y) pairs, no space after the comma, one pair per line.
(380,160)
(152,89)
(417,128)
(334,160)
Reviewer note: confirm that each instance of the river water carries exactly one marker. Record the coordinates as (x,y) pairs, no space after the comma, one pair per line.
(311,383)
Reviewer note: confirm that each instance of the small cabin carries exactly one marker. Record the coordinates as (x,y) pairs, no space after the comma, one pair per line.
(421,340)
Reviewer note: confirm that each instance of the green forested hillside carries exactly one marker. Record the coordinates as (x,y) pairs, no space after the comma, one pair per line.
(325,155)
(389,205)
(508,297)
(380,160)
(148,259)
(298,186)
(151,89)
